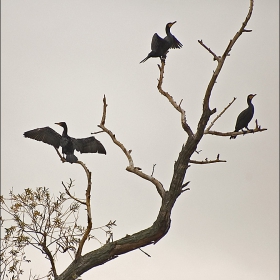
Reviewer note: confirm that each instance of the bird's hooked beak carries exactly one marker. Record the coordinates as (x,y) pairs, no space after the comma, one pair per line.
(58,123)
(253,95)
(171,23)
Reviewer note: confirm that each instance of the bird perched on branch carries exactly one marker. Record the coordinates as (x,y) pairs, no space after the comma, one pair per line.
(68,144)
(245,116)
(161,46)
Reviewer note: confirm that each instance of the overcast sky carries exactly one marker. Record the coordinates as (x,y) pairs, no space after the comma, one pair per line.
(60,57)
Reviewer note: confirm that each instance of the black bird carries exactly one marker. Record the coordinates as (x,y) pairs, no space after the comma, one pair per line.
(68,144)
(161,46)
(245,116)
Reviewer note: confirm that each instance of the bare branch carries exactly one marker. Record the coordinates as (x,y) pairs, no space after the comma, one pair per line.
(49,254)
(97,132)
(206,109)
(70,195)
(89,219)
(104,111)
(218,116)
(209,50)
(131,167)
(206,161)
(185,126)
(144,252)
(218,133)
(185,185)
(241,30)
(153,170)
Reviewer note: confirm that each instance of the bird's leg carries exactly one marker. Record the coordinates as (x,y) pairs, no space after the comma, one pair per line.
(163,57)
(243,131)
(252,130)
(61,157)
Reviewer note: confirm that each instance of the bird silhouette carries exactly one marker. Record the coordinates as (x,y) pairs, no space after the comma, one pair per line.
(68,144)
(245,116)
(161,46)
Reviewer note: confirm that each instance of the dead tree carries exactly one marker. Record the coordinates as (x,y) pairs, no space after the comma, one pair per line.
(160,227)
(162,223)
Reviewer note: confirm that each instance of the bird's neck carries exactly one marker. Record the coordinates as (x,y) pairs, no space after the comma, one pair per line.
(64,133)
(167,30)
(249,102)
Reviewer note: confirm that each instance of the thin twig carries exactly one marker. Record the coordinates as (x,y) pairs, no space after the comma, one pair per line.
(73,197)
(97,132)
(218,116)
(153,170)
(144,252)
(209,50)
(185,185)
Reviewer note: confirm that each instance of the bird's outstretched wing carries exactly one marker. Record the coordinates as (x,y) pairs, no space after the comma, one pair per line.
(157,42)
(44,134)
(176,44)
(88,145)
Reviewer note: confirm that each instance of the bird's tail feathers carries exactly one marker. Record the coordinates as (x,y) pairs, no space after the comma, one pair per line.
(71,158)
(146,58)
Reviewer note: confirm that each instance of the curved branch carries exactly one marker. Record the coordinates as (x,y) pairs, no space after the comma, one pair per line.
(70,195)
(131,167)
(89,219)
(87,203)
(49,254)
(185,126)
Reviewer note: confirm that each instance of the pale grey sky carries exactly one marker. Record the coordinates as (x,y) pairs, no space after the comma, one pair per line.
(58,60)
